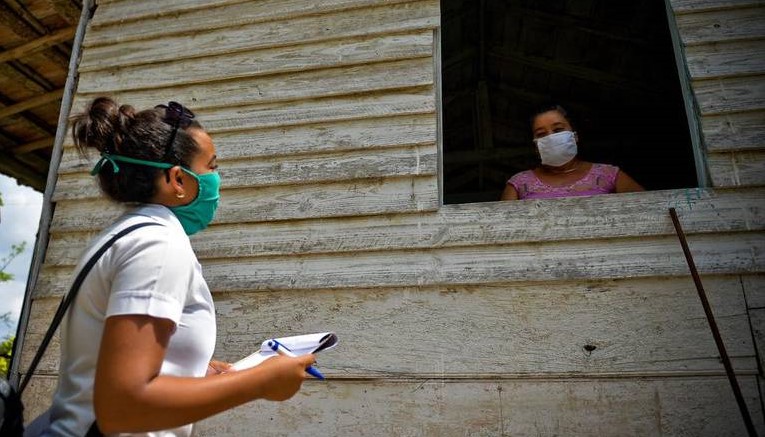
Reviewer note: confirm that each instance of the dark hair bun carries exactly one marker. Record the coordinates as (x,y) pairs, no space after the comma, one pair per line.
(103,125)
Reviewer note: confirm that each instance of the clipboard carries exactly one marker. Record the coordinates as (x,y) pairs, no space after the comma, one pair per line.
(298,344)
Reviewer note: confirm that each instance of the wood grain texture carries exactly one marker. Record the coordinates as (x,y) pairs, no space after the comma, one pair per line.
(400,18)
(736,131)
(630,327)
(737,169)
(601,217)
(362,197)
(739,94)
(303,57)
(311,169)
(695,6)
(754,289)
(276,114)
(147,19)
(307,85)
(722,25)
(555,261)
(714,60)
(298,140)
(694,406)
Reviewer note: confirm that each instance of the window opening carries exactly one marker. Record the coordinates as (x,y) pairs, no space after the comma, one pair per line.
(610,64)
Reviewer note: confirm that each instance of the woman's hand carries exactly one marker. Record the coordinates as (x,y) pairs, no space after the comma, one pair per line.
(283,376)
(217,367)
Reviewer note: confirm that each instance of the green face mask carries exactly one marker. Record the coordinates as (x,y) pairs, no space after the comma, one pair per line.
(196,215)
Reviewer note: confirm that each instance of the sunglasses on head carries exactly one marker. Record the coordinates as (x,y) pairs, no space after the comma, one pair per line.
(177,116)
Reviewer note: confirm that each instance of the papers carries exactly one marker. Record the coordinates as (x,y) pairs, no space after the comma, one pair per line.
(298,344)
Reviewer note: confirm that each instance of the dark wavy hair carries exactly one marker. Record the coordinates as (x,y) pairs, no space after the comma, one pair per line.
(552,106)
(118,129)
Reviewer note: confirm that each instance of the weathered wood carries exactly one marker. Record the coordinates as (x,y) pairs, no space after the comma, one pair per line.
(292,86)
(30,103)
(507,408)
(757,316)
(32,146)
(362,197)
(358,22)
(555,261)
(718,96)
(736,131)
(695,6)
(370,105)
(601,217)
(737,169)
(639,326)
(38,44)
(130,23)
(334,167)
(291,141)
(754,290)
(302,57)
(722,25)
(714,60)
(698,406)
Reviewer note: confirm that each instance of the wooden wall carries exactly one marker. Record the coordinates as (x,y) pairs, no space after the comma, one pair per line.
(567,317)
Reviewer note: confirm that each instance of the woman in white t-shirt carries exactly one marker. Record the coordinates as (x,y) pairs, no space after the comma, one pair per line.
(137,342)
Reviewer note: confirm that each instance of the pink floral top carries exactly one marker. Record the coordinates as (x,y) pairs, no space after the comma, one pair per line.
(601,179)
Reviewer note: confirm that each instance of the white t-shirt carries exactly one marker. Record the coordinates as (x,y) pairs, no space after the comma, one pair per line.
(151,271)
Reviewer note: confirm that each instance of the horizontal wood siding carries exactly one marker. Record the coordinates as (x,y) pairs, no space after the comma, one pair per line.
(557,317)
(724,46)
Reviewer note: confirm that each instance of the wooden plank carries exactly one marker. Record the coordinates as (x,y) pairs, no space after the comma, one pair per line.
(506,408)
(739,94)
(302,57)
(291,141)
(631,327)
(736,131)
(278,114)
(441,407)
(314,84)
(722,25)
(695,6)
(554,261)
(630,215)
(757,316)
(30,103)
(36,45)
(130,23)
(362,197)
(737,58)
(333,167)
(737,169)
(754,290)
(399,18)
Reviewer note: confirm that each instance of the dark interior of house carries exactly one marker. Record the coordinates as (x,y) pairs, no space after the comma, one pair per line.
(611,64)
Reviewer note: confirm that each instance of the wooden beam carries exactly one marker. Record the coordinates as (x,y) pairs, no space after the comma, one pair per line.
(34,145)
(32,103)
(38,44)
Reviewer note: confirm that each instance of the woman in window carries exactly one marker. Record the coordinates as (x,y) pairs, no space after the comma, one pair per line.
(562,173)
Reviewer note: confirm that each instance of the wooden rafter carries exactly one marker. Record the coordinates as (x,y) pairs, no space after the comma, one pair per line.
(31,103)
(32,146)
(38,44)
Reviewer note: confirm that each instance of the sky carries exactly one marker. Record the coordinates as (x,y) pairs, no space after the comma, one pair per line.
(19,219)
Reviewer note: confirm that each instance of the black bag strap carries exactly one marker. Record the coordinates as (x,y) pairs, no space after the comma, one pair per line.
(69,298)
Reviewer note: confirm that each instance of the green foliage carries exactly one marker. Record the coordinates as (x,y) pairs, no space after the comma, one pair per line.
(16,250)
(6,348)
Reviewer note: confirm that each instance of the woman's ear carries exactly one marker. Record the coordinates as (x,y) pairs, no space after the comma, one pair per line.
(176,181)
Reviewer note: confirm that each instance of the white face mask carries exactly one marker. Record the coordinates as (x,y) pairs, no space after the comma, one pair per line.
(557,149)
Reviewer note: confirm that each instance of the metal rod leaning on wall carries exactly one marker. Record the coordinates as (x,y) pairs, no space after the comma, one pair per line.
(713,325)
(41,244)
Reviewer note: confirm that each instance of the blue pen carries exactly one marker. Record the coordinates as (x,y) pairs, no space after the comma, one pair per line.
(282,349)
